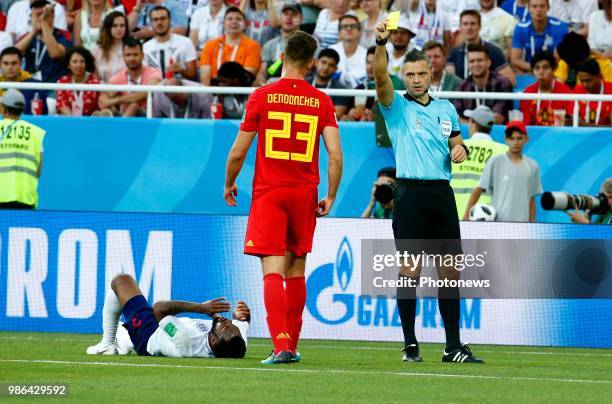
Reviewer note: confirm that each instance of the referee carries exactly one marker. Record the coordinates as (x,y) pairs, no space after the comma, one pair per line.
(425,135)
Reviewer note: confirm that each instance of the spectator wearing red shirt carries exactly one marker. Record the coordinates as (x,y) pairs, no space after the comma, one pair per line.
(594,113)
(539,112)
(81,68)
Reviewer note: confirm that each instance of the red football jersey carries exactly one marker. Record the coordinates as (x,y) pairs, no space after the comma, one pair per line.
(541,113)
(289,117)
(594,112)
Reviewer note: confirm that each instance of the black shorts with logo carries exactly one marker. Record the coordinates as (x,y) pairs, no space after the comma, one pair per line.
(426,210)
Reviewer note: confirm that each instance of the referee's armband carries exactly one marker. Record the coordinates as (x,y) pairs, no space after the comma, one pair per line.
(455,133)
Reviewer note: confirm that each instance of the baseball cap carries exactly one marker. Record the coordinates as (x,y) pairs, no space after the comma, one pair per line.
(482,115)
(292,6)
(405,23)
(13,99)
(518,125)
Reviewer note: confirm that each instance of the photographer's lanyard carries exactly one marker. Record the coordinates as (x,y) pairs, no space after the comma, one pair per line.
(136,82)
(186,114)
(587,116)
(8,130)
(550,104)
(514,13)
(544,45)
(314,83)
(77,107)
(466,69)
(435,24)
(220,53)
(39,55)
(144,17)
(432,87)
(479,102)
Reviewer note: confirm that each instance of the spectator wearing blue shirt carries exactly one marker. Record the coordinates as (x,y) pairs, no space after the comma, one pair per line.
(140,18)
(541,34)
(44,46)
(518,9)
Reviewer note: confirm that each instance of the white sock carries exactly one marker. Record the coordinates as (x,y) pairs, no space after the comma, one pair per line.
(111,311)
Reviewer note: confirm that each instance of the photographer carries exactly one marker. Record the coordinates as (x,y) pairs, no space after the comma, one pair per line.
(381,202)
(606,218)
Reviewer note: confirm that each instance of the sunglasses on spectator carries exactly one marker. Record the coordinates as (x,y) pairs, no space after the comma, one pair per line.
(350,26)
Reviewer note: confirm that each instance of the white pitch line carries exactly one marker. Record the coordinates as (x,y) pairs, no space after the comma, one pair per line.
(311,371)
(358,348)
(376,348)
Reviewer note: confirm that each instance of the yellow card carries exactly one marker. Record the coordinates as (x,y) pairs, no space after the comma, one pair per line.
(393,20)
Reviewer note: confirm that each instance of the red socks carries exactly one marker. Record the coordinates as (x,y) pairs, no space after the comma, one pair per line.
(284,307)
(276,309)
(295,290)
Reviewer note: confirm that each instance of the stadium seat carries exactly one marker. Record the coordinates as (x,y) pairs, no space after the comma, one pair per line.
(522,81)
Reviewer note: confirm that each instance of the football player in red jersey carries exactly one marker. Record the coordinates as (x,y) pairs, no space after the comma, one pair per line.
(289,116)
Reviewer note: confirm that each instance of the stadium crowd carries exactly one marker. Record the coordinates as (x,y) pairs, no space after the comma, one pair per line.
(532,46)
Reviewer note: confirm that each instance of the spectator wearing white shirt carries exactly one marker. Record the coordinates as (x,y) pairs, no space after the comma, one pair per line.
(326,29)
(368,26)
(398,46)
(574,12)
(207,23)
(351,67)
(6,4)
(19,18)
(6,40)
(169,52)
(88,21)
(497,26)
(431,24)
(600,36)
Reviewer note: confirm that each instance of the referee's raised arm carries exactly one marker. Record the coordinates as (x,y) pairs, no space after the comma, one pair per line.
(384,86)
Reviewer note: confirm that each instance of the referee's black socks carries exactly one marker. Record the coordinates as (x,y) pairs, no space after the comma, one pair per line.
(449,305)
(406,305)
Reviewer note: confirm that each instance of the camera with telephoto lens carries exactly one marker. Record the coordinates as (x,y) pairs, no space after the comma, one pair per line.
(597,204)
(384,193)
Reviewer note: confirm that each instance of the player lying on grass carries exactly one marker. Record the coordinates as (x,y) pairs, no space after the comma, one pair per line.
(156,331)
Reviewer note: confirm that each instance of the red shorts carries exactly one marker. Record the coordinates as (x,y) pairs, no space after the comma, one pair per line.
(282,219)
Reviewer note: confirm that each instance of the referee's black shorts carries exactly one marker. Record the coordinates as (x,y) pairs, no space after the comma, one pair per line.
(426,210)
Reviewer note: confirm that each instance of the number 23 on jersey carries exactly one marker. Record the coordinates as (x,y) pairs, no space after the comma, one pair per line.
(288,119)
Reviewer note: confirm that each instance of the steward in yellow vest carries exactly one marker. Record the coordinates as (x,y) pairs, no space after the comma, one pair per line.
(21,149)
(465,176)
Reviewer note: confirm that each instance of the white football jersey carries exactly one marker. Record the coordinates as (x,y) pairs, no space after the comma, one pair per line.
(185,337)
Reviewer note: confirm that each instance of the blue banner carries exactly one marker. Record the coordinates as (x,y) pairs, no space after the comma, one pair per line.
(155,165)
(55,268)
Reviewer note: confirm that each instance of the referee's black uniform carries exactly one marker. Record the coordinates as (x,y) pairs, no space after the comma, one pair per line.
(424,202)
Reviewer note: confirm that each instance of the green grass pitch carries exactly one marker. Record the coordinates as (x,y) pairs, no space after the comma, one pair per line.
(331,371)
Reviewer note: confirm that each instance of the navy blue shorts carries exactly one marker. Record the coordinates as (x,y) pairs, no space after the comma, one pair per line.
(140,322)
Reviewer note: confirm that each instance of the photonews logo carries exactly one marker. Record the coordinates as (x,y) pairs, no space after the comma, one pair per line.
(331,302)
